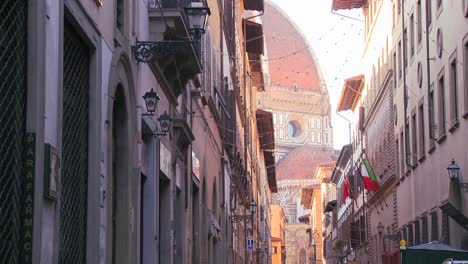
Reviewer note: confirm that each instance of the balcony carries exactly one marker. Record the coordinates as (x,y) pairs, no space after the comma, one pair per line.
(172,52)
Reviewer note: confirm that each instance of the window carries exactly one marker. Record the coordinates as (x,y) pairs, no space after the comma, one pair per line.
(445,229)
(424,231)
(422,141)
(274,250)
(434,226)
(428,12)
(206,61)
(453,92)
(399,60)
(410,235)
(414,138)
(411,32)
(405,47)
(402,155)
(120,15)
(362,228)
(431,115)
(395,77)
(419,21)
(397,158)
(441,109)
(465,75)
(407,146)
(417,233)
(405,234)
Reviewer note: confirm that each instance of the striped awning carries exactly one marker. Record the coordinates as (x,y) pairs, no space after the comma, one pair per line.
(347,4)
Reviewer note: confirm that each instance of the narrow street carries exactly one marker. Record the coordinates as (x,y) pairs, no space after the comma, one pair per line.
(233,132)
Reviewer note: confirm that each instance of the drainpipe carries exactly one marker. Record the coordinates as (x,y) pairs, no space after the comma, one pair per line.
(428,65)
(352,166)
(405,92)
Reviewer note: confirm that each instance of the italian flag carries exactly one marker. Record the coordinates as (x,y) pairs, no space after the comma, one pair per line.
(368,176)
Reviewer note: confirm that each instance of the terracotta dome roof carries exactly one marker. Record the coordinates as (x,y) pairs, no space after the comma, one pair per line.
(300,164)
(290,58)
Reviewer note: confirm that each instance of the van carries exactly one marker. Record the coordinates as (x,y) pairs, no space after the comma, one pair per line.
(451,261)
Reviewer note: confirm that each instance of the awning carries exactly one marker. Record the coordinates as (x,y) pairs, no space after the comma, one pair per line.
(254,5)
(306,195)
(330,206)
(341,163)
(253,37)
(256,71)
(266,136)
(304,219)
(271,171)
(266,132)
(350,93)
(347,4)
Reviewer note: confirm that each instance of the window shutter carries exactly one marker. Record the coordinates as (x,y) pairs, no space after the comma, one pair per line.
(424,231)
(434,226)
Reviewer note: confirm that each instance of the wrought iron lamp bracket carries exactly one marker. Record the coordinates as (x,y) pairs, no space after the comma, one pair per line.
(150,51)
(239,218)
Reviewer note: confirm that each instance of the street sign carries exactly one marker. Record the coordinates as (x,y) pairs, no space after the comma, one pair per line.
(250,243)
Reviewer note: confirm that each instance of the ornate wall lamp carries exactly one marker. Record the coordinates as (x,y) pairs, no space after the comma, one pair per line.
(454,174)
(151,102)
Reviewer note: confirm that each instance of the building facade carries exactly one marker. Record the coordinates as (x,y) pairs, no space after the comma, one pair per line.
(278,240)
(409,109)
(98,175)
(315,198)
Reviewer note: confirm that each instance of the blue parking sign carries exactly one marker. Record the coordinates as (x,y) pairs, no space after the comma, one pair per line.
(250,243)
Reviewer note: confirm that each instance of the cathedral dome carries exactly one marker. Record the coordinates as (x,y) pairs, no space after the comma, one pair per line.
(291,60)
(300,163)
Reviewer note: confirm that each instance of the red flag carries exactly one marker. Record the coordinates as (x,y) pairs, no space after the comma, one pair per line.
(345,190)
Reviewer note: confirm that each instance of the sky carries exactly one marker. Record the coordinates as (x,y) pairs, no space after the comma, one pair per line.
(337,41)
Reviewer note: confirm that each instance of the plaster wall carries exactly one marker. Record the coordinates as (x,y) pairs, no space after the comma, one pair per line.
(427,184)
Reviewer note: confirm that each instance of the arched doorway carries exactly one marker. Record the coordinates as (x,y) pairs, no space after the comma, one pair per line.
(122,177)
(119,176)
